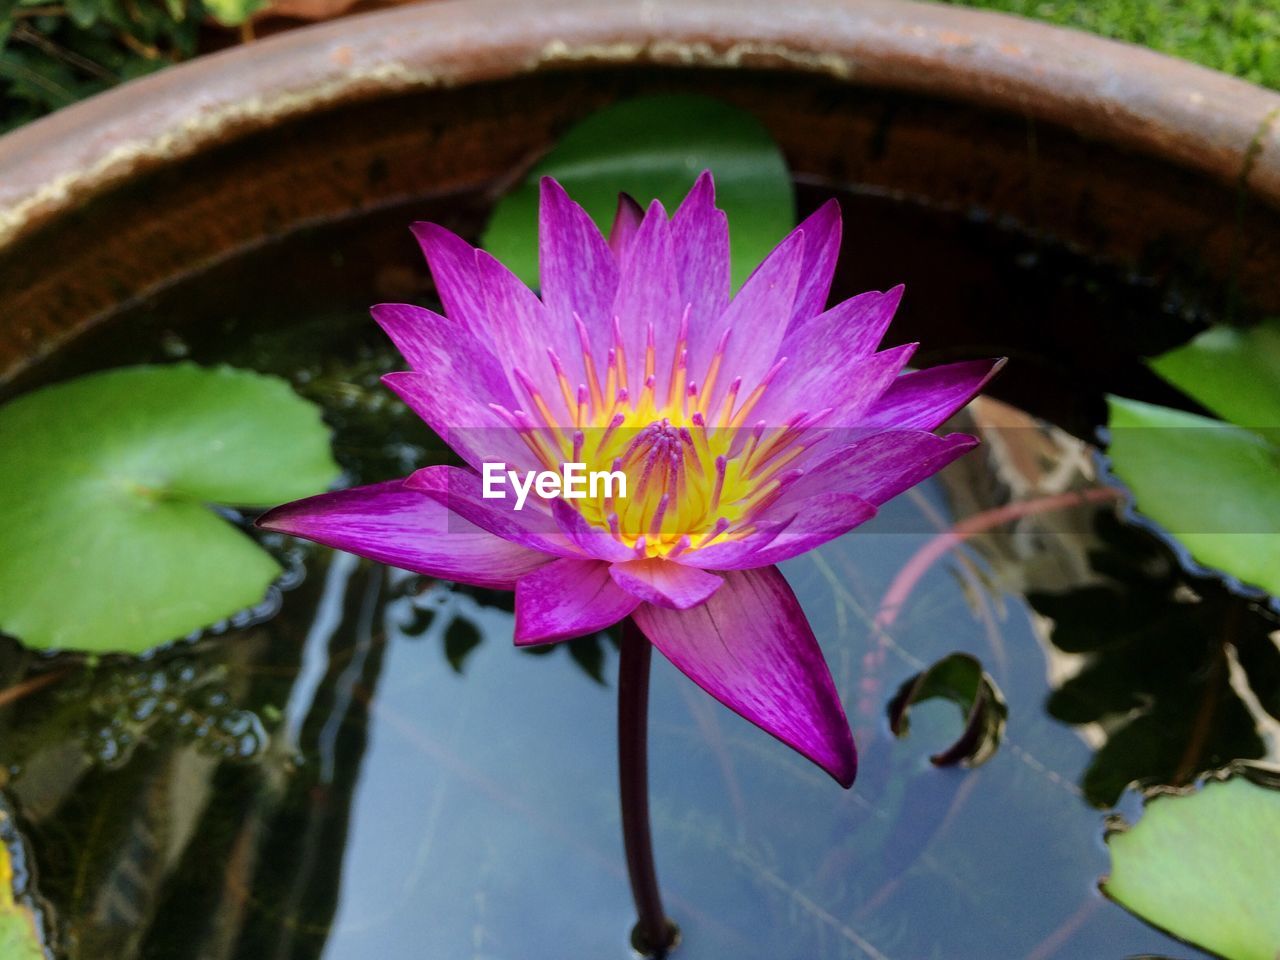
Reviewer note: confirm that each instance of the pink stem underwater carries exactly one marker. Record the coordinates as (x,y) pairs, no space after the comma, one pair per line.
(934,549)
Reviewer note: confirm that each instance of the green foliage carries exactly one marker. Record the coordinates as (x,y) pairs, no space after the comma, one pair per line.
(106,483)
(1203,867)
(233,12)
(53,53)
(1214,485)
(20,935)
(1236,36)
(1235,373)
(654,147)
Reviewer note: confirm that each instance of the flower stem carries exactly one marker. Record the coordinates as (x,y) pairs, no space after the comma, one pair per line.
(654,935)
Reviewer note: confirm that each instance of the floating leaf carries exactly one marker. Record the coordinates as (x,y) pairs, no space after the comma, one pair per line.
(105,488)
(20,934)
(960,679)
(1203,866)
(1235,373)
(1213,485)
(654,147)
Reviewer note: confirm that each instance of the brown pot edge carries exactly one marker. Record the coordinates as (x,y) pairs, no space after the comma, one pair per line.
(1196,117)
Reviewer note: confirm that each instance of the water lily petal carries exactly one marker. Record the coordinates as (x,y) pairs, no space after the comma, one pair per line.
(864,383)
(926,398)
(852,328)
(877,468)
(578,271)
(755,321)
(444,352)
(625,224)
(648,299)
(453,267)
(521,332)
(461,420)
(823,361)
(665,583)
(490,310)
(568,598)
(739,552)
(700,242)
(751,648)
(837,400)
(593,541)
(462,492)
(821,231)
(816,521)
(393,524)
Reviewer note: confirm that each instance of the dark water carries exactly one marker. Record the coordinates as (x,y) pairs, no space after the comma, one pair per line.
(366,768)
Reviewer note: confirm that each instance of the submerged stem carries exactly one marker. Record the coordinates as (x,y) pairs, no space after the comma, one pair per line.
(654,934)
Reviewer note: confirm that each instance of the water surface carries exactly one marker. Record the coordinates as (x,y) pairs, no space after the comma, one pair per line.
(365,767)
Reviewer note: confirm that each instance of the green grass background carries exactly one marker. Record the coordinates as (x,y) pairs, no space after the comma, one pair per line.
(54,52)
(1236,36)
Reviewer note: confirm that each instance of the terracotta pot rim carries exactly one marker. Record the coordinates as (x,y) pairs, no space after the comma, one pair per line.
(1129,96)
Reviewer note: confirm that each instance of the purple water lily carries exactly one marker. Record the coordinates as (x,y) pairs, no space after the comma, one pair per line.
(749,429)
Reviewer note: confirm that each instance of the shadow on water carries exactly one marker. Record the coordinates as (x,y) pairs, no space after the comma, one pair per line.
(374,771)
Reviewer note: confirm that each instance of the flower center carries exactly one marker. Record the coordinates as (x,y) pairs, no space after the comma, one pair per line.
(697,472)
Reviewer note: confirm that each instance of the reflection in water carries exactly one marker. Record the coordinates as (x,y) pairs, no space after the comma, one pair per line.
(1166,674)
(315,650)
(185,846)
(1157,674)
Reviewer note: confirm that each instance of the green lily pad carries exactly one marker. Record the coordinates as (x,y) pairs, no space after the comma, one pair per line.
(1203,866)
(655,147)
(1235,373)
(21,937)
(105,492)
(1213,485)
(960,679)
(19,932)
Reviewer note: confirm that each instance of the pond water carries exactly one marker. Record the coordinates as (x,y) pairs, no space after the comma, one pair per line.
(365,767)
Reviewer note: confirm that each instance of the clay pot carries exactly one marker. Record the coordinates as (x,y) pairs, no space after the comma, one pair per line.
(1136,158)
